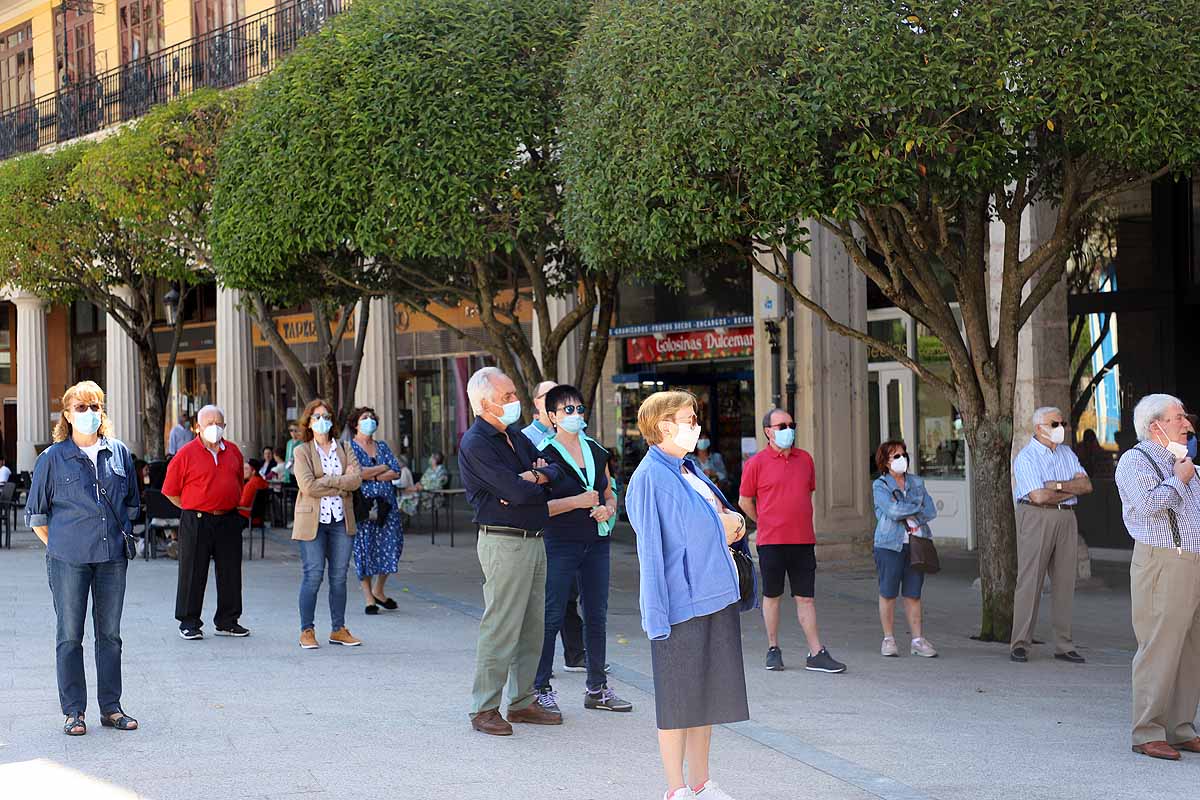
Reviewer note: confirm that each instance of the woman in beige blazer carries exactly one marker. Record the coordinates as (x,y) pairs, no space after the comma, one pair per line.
(327,473)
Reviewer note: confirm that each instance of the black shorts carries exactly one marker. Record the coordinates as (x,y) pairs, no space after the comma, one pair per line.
(797,561)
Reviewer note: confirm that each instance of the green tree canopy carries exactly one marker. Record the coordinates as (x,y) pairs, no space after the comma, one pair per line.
(421,140)
(910,131)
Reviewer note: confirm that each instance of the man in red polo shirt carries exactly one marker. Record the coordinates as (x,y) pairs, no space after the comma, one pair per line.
(205,480)
(777,489)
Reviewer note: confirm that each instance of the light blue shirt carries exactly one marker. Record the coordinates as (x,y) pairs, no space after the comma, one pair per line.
(535,432)
(1037,463)
(1146,495)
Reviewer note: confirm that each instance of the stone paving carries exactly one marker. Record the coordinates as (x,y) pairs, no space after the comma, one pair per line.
(259,717)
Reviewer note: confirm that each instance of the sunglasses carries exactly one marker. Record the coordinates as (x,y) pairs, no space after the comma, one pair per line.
(1055,424)
(321,416)
(82,407)
(572,409)
(791,426)
(899,455)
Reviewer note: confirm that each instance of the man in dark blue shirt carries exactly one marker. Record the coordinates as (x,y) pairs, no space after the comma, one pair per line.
(503,477)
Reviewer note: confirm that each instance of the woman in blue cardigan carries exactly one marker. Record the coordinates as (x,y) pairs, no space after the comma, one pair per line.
(690,597)
(902,509)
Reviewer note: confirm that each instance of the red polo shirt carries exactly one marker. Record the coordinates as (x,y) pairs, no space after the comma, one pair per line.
(782,484)
(203,483)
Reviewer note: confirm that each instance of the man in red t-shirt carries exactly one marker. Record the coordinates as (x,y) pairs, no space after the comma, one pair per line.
(777,489)
(205,480)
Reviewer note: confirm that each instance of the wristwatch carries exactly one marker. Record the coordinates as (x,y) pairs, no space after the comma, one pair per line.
(1058,486)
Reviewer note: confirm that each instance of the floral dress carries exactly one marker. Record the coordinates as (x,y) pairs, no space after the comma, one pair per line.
(378,544)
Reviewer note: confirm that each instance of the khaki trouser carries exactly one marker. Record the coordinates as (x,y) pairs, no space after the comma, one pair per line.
(1047,539)
(1165,590)
(514,619)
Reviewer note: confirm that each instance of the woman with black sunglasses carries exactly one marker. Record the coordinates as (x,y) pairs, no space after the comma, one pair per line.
(583,510)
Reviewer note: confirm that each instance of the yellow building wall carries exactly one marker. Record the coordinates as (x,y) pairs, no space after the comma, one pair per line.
(177,21)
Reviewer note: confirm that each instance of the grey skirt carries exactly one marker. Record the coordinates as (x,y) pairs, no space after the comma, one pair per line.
(699,678)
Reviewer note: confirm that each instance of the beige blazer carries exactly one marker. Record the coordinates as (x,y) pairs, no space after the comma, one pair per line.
(315,484)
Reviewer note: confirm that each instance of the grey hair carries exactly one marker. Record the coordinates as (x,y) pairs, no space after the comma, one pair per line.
(1150,409)
(480,388)
(767,417)
(1039,415)
(210,409)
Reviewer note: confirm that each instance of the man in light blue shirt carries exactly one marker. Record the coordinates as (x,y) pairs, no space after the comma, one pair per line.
(541,426)
(1047,482)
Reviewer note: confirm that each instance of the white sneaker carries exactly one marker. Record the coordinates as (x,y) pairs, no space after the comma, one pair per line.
(922,647)
(888,649)
(712,792)
(685,793)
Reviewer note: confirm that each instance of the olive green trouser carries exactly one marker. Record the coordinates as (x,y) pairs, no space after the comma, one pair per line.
(514,619)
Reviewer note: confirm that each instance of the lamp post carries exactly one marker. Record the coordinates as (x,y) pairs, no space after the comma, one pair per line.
(171,303)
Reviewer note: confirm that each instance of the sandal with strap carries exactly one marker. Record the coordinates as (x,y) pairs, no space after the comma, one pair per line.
(75,726)
(386,602)
(119,720)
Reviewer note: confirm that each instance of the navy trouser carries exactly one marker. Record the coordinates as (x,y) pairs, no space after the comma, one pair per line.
(70,585)
(590,562)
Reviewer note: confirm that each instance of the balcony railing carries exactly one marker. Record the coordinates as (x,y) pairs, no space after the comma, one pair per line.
(222,58)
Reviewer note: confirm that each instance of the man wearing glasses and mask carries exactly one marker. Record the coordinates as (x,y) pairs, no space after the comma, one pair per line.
(1047,482)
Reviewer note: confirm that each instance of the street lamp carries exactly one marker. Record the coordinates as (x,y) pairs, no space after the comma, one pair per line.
(171,302)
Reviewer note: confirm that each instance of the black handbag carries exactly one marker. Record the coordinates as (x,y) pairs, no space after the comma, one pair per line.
(745,571)
(362,505)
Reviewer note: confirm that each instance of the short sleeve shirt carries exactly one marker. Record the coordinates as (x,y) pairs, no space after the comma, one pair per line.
(1037,463)
(204,480)
(782,483)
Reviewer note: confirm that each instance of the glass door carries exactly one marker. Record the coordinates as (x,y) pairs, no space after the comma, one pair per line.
(892,404)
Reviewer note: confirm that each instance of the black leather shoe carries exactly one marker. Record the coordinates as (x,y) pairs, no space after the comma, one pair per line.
(1071,656)
(1019,654)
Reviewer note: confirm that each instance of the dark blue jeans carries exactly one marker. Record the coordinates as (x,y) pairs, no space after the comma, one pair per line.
(331,545)
(70,585)
(590,561)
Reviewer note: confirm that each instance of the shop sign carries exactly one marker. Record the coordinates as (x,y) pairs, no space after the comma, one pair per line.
(681,327)
(692,345)
(300,329)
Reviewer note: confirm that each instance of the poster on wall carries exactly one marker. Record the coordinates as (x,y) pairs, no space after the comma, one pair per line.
(735,342)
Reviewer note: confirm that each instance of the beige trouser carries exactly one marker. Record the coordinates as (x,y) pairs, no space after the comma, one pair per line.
(514,620)
(1047,539)
(1165,589)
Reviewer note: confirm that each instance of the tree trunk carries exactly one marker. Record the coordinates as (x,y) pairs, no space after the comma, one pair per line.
(360,346)
(291,362)
(995,524)
(154,403)
(598,343)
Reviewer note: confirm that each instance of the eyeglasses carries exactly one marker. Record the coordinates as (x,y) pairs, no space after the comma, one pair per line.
(1055,424)
(689,421)
(791,426)
(82,407)
(573,409)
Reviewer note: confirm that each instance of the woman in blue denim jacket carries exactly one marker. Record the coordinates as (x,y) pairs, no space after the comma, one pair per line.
(902,509)
(82,502)
(690,597)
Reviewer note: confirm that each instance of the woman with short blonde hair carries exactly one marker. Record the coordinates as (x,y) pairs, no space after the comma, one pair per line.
(83,499)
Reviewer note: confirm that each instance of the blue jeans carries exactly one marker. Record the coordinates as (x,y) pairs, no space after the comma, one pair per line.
(70,585)
(331,545)
(590,561)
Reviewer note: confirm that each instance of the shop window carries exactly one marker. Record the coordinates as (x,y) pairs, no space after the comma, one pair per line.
(7,325)
(722,291)
(201,304)
(893,331)
(16,66)
(941,443)
(87,342)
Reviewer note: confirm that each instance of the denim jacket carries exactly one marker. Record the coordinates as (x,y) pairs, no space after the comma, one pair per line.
(686,569)
(88,510)
(890,511)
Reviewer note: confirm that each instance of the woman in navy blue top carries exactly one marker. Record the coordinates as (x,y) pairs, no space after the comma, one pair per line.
(583,510)
(82,502)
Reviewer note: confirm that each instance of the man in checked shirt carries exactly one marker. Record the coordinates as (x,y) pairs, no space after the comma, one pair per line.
(1160,500)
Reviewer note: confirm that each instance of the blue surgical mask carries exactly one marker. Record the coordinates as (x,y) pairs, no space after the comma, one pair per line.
(785,438)
(703,444)
(1192,445)
(368,426)
(512,413)
(86,422)
(322,426)
(573,423)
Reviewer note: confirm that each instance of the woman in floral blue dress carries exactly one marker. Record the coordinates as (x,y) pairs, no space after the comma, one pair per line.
(381,536)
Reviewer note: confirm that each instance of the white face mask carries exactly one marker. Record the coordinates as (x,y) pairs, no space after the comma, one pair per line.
(1057,435)
(214,433)
(1175,448)
(900,465)
(687,436)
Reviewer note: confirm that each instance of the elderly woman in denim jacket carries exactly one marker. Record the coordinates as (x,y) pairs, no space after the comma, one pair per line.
(690,597)
(902,509)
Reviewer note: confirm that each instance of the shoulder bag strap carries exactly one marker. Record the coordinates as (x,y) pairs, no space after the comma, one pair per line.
(1170,511)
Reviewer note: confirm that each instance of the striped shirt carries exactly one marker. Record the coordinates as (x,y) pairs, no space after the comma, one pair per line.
(1145,499)
(1037,463)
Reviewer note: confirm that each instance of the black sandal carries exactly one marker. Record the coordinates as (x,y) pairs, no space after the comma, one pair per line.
(119,720)
(387,603)
(372,610)
(75,726)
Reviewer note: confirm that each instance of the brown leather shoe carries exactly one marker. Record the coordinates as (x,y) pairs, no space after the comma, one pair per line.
(1157,750)
(343,637)
(491,723)
(1191,745)
(308,639)
(534,714)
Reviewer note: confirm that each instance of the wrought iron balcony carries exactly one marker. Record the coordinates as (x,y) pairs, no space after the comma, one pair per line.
(225,57)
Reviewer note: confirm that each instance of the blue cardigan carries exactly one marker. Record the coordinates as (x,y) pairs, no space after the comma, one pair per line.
(891,512)
(686,569)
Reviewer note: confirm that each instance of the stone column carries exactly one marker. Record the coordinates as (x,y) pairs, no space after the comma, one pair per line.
(831,399)
(33,388)
(122,384)
(377,385)
(235,371)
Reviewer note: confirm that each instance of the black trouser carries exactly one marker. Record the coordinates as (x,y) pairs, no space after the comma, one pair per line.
(204,536)
(572,629)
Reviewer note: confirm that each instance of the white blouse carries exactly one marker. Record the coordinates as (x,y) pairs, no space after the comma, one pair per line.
(332,508)
(702,489)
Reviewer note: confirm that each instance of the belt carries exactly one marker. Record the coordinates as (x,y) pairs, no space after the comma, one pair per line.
(210,514)
(1059,506)
(504,530)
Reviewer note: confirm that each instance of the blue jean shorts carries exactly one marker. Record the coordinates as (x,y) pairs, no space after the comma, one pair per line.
(896,575)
